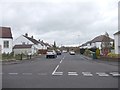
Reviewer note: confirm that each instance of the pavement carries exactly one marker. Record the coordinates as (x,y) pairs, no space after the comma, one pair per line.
(115,63)
(65,71)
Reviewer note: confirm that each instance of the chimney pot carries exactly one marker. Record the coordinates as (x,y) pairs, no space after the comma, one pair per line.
(39,40)
(32,37)
(26,34)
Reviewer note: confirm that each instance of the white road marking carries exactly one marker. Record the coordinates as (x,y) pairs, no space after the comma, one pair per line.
(27,73)
(64,57)
(61,61)
(87,74)
(72,73)
(58,73)
(115,74)
(42,73)
(102,74)
(55,70)
(13,73)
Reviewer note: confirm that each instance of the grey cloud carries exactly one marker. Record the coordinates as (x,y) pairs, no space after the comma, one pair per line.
(62,22)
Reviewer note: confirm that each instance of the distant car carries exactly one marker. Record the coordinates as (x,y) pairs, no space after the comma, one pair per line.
(64,51)
(51,54)
(72,53)
(58,52)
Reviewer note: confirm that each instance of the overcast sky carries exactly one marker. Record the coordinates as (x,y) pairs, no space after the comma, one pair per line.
(67,22)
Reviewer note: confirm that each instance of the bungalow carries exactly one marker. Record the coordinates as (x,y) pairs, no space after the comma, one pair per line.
(45,47)
(117,42)
(6,40)
(98,41)
(23,42)
(25,49)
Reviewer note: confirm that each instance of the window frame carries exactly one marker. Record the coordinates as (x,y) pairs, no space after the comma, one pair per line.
(6,44)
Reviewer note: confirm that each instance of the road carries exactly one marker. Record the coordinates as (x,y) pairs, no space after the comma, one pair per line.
(66,71)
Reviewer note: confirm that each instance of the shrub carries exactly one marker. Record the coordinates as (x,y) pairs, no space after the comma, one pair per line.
(7,56)
(82,50)
(20,56)
(87,52)
(112,55)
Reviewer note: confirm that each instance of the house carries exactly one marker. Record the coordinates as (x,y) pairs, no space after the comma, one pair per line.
(117,42)
(98,42)
(24,41)
(45,47)
(6,40)
(24,49)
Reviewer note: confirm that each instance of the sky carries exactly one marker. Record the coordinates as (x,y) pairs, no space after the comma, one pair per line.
(68,22)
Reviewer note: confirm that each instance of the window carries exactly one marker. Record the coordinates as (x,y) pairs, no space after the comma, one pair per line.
(23,43)
(6,44)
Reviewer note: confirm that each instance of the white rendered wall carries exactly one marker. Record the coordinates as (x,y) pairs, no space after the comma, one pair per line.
(6,50)
(117,44)
(20,40)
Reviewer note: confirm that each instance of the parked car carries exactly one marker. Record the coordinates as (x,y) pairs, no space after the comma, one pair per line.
(58,52)
(71,52)
(51,54)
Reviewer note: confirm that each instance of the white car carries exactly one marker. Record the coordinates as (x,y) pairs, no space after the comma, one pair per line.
(72,53)
(51,54)
(64,51)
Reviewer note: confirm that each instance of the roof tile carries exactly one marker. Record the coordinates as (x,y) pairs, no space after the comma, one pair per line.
(5,32)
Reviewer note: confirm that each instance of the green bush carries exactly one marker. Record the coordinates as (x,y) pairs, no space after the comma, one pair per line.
(87,52)
(7,56)
(11,56)
(0,56)
(20,56)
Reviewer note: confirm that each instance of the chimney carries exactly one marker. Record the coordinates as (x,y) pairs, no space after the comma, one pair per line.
(32,37)
(26,34)
(39,40)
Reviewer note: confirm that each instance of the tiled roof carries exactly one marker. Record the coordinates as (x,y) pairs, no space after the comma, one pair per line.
(22,46)
(5,32)
(117,33)
(32,39)
(41,43)
(46,44)
(101,38)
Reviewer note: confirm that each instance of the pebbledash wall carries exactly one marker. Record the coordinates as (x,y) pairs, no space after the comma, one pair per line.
(117,43)
(26,51)
(6,50)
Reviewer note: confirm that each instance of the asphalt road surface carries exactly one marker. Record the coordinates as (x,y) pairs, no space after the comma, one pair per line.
(66,71)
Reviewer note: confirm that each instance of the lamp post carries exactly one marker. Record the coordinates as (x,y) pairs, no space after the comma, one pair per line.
(78,41)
